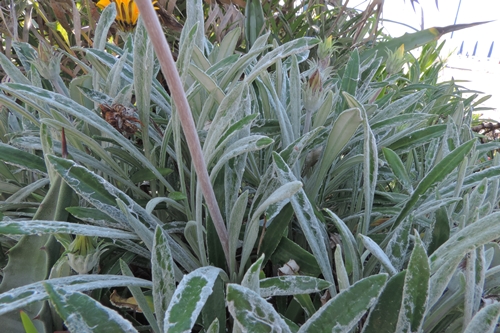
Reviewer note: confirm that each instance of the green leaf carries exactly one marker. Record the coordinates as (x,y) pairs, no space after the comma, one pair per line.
(187,43)
(30,260)
(21,297)
(83,314)
(287,249)
(144,233)
(295,46)
(189,298)
(486,320)
(413,40)
(214,326)
(26,92)
(351,76)
(228,44)
(415,291)
(398,244)
(295,105)
(288,285)
(383,317)
(343,312)
(27,323)
(342,277)
(234,228)
(22,158)
(12,71)
(98,191)
(252,276)
(313,231)
(254,22)
(140,298)
(194,12)
(417,138)
(437,174)
(37,227)
(378,253)
(398,168)
(106,19)
(146,174)
(252,313)
(143,67)
(349,247)
(370,172)
(163,274)
(252,228)
(445,259)
(215,307)
(342,131)
(441,230)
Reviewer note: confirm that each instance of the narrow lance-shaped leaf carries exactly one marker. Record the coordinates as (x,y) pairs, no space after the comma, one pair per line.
(438,173)
(141,299)
(189,298)
(83,314)
(350,247)
(342,131)
(36,227)
(342,277)
(336,317)
(143,77)
(485,320)
(398,169)
(383,317)
(413,40)
(415,291)
(162,270)
(22,296)
(398,244)
(313,231)
(375,249)
(252,313)
(351,76)
(252,276)
(26,92)
(287,285)
(370,172)
(22,158)
(234,228)
(445,259)
(252,228)
(97,190)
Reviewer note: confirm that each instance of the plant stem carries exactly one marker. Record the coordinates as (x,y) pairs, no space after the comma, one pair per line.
(169,70)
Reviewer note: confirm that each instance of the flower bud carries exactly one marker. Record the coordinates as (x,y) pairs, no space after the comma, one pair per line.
(48,62)
(325,51)
(313,93)
(395,60)
(84,253)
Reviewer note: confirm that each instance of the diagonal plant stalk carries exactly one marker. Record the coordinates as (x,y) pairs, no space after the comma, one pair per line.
(169,70)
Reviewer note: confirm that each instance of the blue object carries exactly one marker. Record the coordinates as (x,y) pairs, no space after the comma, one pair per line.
(491,49)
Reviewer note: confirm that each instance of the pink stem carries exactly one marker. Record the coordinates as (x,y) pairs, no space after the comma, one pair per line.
(169,70)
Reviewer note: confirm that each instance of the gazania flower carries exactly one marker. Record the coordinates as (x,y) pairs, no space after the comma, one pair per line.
(127,12)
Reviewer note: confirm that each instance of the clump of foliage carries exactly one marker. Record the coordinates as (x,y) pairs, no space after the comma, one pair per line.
(336,193)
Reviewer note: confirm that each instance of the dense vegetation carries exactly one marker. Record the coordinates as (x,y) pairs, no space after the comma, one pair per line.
(329,183)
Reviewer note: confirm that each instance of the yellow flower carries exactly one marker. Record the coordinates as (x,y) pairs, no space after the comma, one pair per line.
(127,12)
